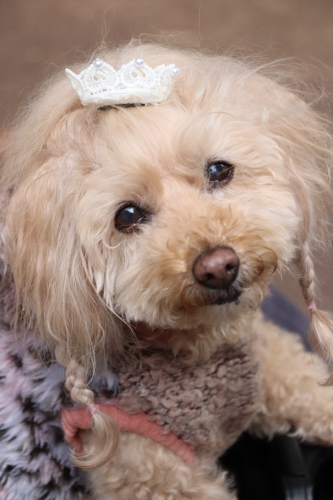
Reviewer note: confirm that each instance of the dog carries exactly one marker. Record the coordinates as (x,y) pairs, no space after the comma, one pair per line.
(141,232)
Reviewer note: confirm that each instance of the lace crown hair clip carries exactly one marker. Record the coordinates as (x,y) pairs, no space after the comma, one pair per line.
(135,84)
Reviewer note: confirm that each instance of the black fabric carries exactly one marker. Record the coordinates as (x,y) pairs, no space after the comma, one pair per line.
(277,308)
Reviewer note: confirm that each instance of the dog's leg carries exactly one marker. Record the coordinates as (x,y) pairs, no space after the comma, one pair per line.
(293,397)
(143,469)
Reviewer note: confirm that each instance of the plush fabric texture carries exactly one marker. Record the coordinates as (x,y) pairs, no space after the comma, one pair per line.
(35,462)
(207,405)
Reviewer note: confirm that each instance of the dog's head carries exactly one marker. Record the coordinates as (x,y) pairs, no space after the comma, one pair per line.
(170,218)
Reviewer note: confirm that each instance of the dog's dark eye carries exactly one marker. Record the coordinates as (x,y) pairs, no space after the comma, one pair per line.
(219,173)
(127,218)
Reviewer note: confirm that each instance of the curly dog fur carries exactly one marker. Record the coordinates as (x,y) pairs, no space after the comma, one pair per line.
(231,160)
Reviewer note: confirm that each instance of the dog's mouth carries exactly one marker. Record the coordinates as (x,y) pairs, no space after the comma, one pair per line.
(225,297)
(199,297)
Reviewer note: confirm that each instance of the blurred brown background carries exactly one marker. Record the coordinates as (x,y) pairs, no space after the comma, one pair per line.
(37,36)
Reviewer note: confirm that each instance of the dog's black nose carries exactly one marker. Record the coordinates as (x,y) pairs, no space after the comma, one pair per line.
(217,268)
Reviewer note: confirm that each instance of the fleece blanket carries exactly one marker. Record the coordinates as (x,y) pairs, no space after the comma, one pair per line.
(35,461)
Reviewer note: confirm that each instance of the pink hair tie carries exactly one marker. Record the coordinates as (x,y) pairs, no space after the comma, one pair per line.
(93,408)
(312,307)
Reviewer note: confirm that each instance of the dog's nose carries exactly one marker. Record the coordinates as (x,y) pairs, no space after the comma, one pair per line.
(217,268)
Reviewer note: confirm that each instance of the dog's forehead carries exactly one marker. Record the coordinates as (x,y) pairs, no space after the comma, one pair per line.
(167,135)
(147,130)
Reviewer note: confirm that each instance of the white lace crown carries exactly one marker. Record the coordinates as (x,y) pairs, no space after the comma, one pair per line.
(135,83)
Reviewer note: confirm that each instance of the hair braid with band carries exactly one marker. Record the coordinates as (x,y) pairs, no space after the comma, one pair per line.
(321,326)
(104,432)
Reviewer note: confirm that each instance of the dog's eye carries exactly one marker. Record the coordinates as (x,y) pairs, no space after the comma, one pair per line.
(127,218)
(219,173)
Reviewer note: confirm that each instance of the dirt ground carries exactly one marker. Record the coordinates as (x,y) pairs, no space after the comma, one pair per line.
(37,36)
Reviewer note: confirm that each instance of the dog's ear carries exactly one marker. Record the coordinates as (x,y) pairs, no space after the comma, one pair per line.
(306,142)
(43,248)
(48,263)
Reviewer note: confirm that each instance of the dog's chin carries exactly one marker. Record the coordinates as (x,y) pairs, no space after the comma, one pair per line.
(211,297)
(224,297)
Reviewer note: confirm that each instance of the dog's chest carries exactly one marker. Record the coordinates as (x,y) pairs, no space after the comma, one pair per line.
(207,405)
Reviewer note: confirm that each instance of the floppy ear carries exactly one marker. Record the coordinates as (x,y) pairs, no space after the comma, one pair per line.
(48,263)
(306,141)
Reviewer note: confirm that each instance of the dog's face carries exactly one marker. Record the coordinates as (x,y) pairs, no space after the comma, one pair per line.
(196,215)
(174,216)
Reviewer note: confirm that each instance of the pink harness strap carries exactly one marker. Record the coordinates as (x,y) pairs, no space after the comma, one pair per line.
(75,419)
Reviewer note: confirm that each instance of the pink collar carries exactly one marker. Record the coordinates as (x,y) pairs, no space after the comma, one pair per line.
(75,419)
